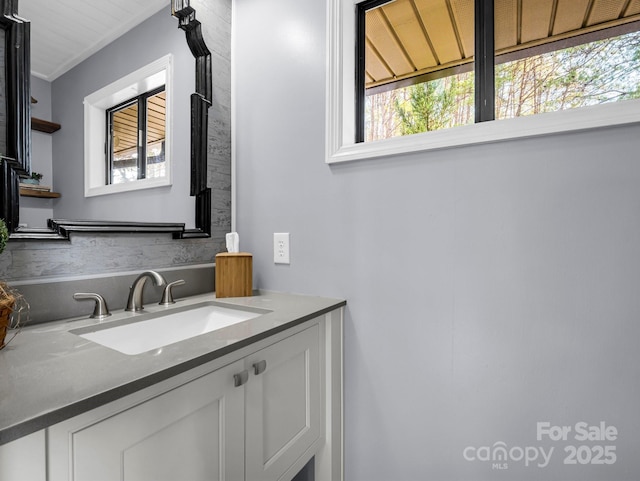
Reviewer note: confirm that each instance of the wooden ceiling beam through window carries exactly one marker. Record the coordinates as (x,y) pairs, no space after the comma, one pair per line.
(407,39)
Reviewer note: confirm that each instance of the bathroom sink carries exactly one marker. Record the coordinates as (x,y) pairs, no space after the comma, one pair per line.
(145,332)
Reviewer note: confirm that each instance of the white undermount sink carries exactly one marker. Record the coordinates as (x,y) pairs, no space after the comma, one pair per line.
(147,331)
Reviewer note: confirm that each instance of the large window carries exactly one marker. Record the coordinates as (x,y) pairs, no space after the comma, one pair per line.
(418,70)
(438,73)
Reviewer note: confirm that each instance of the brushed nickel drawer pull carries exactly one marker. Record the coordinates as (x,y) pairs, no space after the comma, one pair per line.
(259,367)
(240,378)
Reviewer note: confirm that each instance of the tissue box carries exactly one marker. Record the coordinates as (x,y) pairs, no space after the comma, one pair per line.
(234,274)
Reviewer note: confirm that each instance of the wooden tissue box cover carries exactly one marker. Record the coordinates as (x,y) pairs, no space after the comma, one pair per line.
(234,274)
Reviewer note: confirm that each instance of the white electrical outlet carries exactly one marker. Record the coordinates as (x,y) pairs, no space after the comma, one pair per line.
(281,248)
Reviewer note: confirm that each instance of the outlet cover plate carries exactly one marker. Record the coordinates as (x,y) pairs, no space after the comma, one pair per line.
(281,248)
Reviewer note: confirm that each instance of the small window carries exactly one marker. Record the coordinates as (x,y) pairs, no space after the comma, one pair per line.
(128,132)
(136,131)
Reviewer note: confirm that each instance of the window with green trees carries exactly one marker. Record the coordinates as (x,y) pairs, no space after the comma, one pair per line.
(418,70)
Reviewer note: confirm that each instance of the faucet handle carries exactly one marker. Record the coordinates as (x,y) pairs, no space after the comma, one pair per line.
(100,310)
(167,293)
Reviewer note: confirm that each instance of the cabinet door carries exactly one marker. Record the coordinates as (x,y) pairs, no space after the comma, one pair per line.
(282,405)
(193,432)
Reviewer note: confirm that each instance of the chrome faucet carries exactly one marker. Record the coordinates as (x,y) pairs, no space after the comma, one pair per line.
(134,302)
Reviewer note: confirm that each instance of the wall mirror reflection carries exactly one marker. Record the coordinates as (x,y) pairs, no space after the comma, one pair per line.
(151,135)
(127,145)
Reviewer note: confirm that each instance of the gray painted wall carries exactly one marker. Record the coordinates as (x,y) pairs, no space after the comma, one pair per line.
(489,288)
(87,255)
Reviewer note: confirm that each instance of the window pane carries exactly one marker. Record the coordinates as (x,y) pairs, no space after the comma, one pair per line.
(156,128)
(564,59)
(419,67)
(433,105)
(124,145)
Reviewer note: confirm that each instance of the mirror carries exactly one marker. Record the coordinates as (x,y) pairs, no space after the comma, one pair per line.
(15,143)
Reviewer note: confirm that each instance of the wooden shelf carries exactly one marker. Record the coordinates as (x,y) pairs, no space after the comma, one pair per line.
(44,125)
(25,192)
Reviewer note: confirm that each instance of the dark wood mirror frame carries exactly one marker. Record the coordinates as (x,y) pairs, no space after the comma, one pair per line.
(15,136)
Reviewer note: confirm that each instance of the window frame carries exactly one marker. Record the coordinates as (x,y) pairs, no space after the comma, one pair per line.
(145,79)
(341,107)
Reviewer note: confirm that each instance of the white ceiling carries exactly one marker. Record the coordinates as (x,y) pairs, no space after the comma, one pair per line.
(65,32)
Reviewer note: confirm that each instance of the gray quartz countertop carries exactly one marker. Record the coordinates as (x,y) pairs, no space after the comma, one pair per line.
(48,374)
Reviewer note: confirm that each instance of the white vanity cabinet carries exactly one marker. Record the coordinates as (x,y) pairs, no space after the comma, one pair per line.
(258,418)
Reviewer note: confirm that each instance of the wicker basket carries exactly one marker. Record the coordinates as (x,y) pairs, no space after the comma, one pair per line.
(6,308)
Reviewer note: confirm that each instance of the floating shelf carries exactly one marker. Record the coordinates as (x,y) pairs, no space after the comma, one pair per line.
(45,194)
(44,125)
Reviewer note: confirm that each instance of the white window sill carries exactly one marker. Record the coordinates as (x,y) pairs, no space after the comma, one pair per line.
(493,131)
(127,186)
